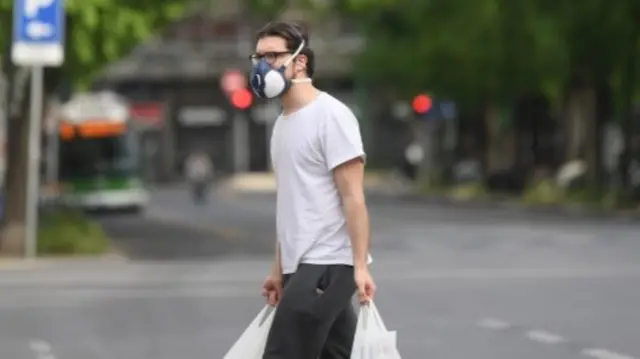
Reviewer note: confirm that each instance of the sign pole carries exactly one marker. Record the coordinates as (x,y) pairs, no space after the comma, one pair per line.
(53,145)
(33,171)
(38,41)
(241,154)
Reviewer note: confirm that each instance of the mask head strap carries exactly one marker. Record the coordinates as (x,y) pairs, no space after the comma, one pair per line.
(295,54)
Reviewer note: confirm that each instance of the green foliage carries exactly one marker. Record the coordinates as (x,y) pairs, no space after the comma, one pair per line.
(266,8)
(460,192)
(65,231)
(493,50)
(544,192)
(468,49)
(468,191)
(102,31)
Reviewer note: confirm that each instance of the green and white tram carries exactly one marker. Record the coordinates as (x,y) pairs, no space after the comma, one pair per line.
(99,162)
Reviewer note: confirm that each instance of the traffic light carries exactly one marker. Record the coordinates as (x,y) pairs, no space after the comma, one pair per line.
(241,99)
(422,104)
(234,85)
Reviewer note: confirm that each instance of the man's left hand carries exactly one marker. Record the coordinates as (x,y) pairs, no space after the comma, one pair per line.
(365,285)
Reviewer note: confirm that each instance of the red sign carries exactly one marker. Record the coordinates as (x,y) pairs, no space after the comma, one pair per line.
(150,113)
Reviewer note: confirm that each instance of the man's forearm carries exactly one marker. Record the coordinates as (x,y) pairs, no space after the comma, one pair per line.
(277,264)
(358,227)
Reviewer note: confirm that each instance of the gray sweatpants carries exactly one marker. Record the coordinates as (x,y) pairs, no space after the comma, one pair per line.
(315,317)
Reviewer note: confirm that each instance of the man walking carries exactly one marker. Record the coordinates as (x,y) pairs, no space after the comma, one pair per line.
(322,247)
(199,173)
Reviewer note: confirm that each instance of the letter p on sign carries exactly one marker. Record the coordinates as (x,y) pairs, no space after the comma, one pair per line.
(31,7)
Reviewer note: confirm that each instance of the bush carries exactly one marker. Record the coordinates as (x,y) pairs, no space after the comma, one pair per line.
(459,192)
(68,231)
(544,192)
(468,191)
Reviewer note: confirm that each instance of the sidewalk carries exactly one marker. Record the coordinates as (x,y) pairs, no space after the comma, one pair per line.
(21,264)
(265,182)
(512,204)
(390,185)
(15,264)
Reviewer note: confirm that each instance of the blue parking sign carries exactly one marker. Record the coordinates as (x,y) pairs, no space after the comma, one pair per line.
(38,33)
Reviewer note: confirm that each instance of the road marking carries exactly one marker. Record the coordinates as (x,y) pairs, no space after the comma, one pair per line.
(98,297)
(545,337)
(599,353)
(493,324)
(516,273)
(20,298)
(41,349)
(154,273)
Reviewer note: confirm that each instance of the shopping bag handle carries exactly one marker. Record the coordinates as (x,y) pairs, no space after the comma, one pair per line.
(372,313)
(266,312)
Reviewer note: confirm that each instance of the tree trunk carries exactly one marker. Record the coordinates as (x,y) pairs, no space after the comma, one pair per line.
(12,231)
(628,128)
(501,143)
(12,236)
(576,124)
(588,103)
(587,107)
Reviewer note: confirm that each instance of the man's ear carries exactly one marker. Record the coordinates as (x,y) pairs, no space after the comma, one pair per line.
(301,62)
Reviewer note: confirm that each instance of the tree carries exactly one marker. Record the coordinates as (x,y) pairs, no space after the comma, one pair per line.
(597,35)
(487,53)
(98,32)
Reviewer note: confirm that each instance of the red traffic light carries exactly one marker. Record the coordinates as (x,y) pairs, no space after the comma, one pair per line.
(422,104)
(241,99)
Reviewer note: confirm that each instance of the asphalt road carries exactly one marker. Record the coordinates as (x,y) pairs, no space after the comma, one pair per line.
(455,283)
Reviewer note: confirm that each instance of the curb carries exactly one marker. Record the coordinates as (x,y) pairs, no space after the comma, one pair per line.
(10,264)
(265,183)
(574,211)
(229,234)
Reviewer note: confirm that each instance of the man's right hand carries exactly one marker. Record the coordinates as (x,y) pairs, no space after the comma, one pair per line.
(272,289)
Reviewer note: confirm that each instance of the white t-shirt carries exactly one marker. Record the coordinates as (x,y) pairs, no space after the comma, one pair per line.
(305,148)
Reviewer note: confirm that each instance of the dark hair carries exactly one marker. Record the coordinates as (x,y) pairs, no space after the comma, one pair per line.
(293,34)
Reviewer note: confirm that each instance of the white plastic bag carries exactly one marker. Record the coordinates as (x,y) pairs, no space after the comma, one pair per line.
(252,342)
(372,339)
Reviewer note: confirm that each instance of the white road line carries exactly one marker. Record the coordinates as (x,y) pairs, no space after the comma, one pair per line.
(41,349)
(599,353)
(545,337)
(493,324)
(221,275)
(143,293)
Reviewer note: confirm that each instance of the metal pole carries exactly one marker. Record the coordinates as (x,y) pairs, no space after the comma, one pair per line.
(241,154)
(4,110)
(268,129)
(33,171)
(53,145)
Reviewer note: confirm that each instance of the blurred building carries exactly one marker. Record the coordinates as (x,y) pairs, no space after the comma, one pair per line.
(173,82)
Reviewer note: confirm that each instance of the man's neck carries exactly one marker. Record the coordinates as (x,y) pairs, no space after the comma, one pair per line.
(298,96)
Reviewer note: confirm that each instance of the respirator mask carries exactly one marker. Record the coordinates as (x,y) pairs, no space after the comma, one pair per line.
(268,82)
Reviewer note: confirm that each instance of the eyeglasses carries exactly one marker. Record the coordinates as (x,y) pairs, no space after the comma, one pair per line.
(270,56)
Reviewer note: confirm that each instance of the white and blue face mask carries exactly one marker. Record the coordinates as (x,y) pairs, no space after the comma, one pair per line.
(268,82)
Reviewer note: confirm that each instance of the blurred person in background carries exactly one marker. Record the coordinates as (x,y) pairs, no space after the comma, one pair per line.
(199,173)
(322,247)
